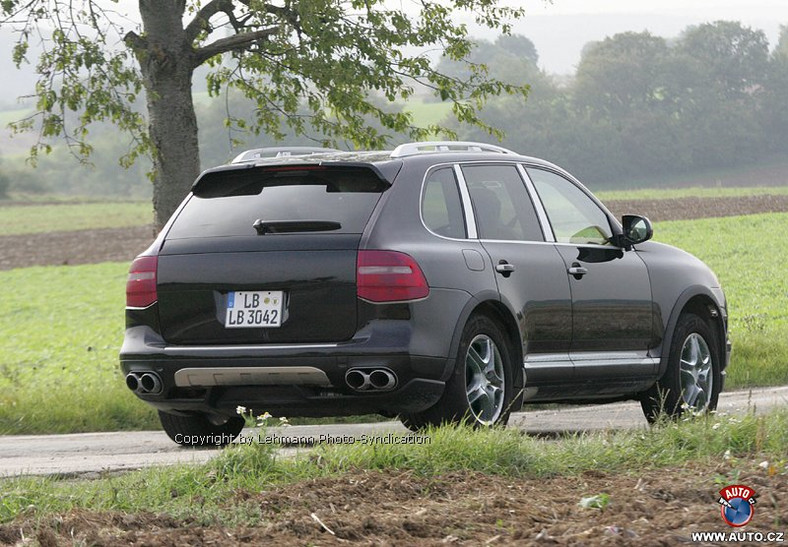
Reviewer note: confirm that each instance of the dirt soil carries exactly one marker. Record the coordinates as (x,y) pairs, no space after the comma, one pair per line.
(123,244)
(77,247)
(693,207)
(465,508)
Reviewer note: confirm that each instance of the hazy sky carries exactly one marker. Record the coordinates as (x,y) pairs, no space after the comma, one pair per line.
(664,7)
(560,29)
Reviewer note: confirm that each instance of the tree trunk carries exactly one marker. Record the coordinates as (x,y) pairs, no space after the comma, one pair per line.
(167,64)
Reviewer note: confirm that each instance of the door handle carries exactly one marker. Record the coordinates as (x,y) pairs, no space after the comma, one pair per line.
(504,268)
(577,270)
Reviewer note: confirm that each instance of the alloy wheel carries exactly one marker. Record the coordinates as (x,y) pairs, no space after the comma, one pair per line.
(696,372)
(484,380)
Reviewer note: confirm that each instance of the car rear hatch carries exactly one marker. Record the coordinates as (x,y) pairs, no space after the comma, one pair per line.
(267,255)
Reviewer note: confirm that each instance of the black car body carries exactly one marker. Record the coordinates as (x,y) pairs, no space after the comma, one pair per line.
(437,282)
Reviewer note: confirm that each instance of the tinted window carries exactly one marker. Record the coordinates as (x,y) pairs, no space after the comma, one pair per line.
(501,204)
(574,217)
(441,206)
(231,202)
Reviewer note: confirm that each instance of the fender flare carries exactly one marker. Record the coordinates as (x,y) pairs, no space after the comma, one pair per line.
(688,294)
(473,303)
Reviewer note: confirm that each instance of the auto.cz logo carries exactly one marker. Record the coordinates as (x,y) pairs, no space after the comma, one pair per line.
(738,504)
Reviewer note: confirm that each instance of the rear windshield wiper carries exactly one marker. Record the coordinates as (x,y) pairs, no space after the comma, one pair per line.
(264,227)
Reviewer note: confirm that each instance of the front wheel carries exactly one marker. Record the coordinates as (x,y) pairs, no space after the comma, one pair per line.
(197,430)
(692,381)
(479,392)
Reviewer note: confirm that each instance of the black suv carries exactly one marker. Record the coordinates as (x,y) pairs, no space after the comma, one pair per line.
(441,281)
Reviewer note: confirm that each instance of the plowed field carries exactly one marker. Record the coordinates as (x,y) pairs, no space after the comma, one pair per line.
(123,244)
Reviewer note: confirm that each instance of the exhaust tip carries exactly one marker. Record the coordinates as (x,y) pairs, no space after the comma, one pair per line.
(382,379)
(366,379)
(132,382)
(357,380)
(150,383)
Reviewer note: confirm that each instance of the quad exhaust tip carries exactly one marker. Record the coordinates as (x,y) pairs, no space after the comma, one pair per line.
(144,383)
(377,379)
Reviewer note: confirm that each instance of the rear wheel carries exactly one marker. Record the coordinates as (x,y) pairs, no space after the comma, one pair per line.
(692,380)
(479,392)
(197,430)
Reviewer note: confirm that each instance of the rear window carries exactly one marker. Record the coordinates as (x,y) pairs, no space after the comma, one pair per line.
(319,199)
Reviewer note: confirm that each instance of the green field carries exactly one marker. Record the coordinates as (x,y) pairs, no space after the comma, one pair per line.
(63,325)
(31,219)
(698,191)
(10,116)
(62,328)
(425,113)
(748,255)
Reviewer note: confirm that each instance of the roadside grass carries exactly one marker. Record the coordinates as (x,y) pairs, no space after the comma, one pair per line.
(221,492)
(62,329)
(63,326)
(30,219)
(748,255)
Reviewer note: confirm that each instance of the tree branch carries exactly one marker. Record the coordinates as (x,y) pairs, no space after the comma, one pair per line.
(135,42)
(200,21)
(231,43)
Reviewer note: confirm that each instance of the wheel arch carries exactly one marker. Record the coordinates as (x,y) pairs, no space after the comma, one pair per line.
(488,303)
(698,300)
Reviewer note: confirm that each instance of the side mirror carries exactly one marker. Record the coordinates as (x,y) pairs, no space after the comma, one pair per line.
(637,229)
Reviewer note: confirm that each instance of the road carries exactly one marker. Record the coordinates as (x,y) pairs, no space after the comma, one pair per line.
(93,454)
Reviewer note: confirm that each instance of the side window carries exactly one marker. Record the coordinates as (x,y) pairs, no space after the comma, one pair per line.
(574,217)
(440,204)
(501,204)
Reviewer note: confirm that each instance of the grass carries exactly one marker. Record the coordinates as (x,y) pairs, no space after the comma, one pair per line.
(62,328)
(31,219)
(213,493)
(63,325)
(748,255)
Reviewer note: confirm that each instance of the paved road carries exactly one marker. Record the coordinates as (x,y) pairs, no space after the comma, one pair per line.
(91,454)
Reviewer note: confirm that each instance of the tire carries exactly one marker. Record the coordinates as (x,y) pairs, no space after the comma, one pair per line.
(692,381)
(196,430)
(480,391)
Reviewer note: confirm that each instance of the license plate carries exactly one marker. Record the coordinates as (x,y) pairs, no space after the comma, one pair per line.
(254,309)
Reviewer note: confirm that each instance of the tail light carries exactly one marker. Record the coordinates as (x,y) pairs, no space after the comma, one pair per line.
(389,276)
(141,284)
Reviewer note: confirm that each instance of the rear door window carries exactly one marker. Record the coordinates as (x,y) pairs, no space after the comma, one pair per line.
(326,200)
(503,209)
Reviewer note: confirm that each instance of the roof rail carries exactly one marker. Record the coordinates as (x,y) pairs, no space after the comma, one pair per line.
(279,152)
(413,148)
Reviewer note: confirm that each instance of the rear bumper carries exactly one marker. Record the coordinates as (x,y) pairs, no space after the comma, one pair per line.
(290,380)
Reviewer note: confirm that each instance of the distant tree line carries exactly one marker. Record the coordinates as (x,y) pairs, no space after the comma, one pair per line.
(640,107)
(643,107)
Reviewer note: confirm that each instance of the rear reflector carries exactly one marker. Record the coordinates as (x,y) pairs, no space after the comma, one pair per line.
(389,276)
(141,284)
